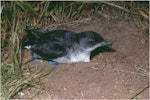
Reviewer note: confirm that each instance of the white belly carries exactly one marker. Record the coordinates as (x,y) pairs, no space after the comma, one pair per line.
(74,58)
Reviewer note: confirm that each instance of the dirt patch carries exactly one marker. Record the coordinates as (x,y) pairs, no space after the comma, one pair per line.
(109,75)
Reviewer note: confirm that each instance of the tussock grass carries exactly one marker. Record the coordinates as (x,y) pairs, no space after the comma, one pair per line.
(16,16)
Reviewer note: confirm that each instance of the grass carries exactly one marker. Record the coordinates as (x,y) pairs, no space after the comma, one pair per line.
(30,81)
(16,16)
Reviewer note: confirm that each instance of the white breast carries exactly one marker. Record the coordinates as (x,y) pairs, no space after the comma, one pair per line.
(78,54)
(74,56)
(73,59)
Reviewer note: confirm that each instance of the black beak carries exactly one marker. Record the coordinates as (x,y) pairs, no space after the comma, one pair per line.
(105,43)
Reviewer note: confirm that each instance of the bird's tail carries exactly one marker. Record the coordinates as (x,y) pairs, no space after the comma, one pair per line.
(32,38)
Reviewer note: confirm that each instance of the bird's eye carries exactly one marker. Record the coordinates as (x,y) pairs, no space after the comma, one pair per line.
(91,40)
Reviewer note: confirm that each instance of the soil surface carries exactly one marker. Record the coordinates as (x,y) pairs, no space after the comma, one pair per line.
(122,74)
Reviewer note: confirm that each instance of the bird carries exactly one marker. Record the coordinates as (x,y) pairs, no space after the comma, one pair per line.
(43,48)
(64,46)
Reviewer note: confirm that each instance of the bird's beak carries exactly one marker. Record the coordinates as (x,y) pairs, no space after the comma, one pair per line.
(105,43)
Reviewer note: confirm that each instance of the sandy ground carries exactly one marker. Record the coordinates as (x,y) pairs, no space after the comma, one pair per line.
(122,74)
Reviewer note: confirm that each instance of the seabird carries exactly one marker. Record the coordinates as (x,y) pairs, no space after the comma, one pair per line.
(64,46)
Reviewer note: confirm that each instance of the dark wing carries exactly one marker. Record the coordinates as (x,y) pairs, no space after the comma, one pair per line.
(34,36)
(49,50)
(64,37)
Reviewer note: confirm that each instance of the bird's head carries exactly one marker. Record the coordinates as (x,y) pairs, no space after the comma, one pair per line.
(91,40)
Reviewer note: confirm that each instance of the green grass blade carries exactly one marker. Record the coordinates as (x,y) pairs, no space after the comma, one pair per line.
(26,82)
(116,6)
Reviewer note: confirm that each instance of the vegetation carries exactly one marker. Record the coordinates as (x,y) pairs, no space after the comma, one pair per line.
(16,16)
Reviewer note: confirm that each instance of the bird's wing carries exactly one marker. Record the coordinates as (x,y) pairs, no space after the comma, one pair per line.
(49,50)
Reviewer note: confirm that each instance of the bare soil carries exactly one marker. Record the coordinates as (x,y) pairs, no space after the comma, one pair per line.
(122,74)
